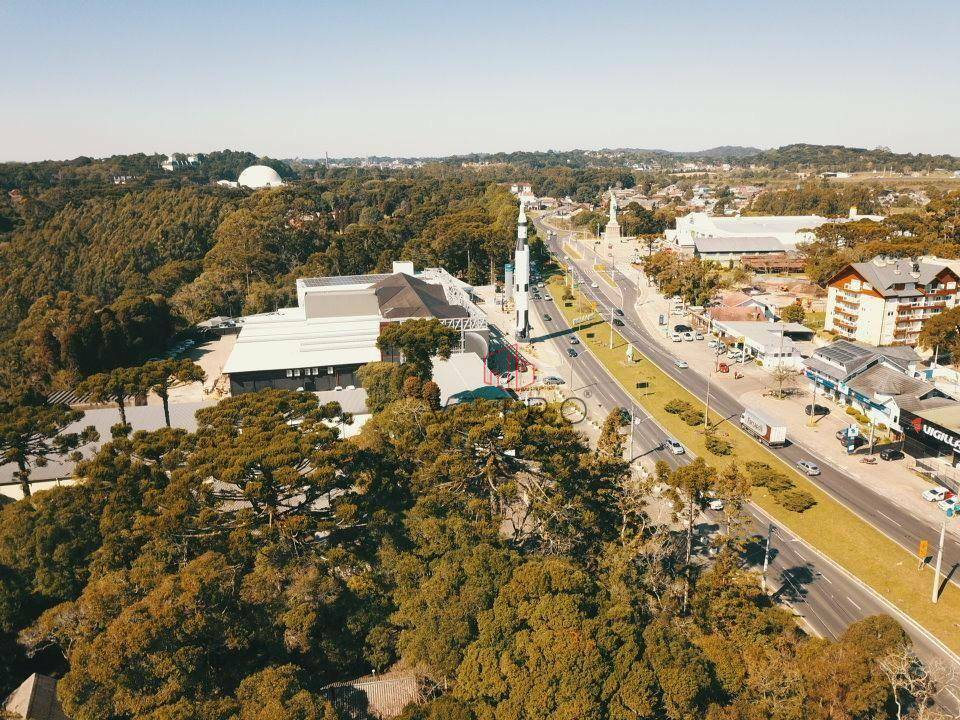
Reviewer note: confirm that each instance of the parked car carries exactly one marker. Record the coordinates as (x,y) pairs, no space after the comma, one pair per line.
(890,454)
(688,336)
(618,322)
(571,352)
(682,328)
(713,343)
(948,505)
(817,410)
(808,468)
(682,364)
(713,502)
(675,447)
(936,494)
(698,335)
(676,337)
(547,297)
(553,380)
(736,355)
(574,340)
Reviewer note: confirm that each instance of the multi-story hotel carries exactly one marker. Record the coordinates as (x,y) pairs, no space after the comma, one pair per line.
(886,301)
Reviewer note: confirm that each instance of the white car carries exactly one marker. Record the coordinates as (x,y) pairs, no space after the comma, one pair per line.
(547,297)
(698,335)
(682,364)
(713,343)
(948,505)
(808,468)
(675,447)
(937,494)
(688,336)
(553,380)
(594,285)
(676,337)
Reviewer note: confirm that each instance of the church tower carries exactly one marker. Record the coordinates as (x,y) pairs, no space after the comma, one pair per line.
(521,277)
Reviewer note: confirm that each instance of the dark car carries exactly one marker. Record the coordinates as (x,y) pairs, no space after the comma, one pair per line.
(571,352)
(547,318)
(682,328)
(618,311)
(618,322)
(890,454)
(856,441)
(817,410)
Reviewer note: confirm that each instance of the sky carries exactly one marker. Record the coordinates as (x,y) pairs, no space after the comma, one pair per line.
(406,78)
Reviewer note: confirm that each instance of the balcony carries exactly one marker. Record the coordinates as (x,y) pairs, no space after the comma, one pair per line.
(844,323)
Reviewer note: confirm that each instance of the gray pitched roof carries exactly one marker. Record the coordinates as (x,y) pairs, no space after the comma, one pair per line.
(884,275)
(403,296)
(882,380)
(738,244)
(843,359)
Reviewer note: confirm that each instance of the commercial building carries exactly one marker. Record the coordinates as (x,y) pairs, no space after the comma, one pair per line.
(774,344)
(886,301)
(321,343)
(788,230)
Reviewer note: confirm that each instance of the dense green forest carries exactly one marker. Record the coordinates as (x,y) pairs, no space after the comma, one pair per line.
(76,247)
(233,572)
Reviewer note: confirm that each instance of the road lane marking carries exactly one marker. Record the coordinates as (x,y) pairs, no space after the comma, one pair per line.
(880,512)
(854,604)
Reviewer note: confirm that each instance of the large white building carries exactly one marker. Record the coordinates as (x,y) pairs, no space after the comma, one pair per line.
(320,343)
(749,234)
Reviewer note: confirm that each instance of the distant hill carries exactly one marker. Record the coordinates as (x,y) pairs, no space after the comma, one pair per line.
(725,151)
(838,157)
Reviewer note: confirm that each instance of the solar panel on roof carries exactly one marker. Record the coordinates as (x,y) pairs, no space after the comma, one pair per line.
(342,280)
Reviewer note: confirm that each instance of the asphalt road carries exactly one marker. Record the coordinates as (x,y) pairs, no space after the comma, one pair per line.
(827,598)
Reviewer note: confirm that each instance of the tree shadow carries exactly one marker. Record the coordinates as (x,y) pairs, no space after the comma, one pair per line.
(793,582)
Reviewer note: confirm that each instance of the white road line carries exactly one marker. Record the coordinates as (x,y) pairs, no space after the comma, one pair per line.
(853,603)
(880,512)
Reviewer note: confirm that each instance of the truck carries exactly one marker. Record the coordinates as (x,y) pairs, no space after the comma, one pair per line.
(767,429)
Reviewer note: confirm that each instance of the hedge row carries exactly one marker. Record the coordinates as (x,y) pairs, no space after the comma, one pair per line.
(780,486)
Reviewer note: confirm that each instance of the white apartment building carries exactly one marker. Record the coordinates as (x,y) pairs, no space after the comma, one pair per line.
(886,301)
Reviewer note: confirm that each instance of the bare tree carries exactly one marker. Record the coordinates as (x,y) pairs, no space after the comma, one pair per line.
(915,685)
(783,377)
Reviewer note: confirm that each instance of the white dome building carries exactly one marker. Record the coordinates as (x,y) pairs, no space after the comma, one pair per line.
(259,176)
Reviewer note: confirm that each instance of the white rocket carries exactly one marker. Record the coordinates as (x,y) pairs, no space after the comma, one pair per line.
(521,277)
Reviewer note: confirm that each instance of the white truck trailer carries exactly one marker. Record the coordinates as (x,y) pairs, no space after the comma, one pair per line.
(764,427)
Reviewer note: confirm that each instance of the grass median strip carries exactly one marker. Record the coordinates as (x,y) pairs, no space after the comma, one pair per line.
(828,526)
(569,250)
(602,271)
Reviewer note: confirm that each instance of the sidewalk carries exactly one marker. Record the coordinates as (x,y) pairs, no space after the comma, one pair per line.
(893,479)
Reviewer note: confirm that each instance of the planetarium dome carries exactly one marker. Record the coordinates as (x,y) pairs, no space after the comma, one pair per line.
(259,176)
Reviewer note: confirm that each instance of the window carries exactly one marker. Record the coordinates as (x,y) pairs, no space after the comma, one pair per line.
(330,370)
(289,373)
(296,373)
(951,285)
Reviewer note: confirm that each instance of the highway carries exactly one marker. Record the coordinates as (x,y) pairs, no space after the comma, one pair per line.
(827,598)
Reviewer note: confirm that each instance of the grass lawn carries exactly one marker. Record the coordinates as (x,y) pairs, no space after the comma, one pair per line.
(830,527)
(814,320)
(605,274)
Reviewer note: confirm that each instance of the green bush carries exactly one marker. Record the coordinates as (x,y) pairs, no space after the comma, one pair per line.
(762,475)
(796,500)
(676,407)
(851,410)
(718,445)
(692,416)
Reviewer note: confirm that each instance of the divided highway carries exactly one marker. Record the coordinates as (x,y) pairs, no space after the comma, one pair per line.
(827,598)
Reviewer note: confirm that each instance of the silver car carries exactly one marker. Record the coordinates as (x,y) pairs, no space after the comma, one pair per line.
(808,468)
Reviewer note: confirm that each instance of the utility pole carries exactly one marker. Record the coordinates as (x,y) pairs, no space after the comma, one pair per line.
(936,572)
(813,403)
(766,558)
(611,328)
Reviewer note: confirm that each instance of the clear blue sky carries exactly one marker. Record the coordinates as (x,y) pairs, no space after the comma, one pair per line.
(435,78)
